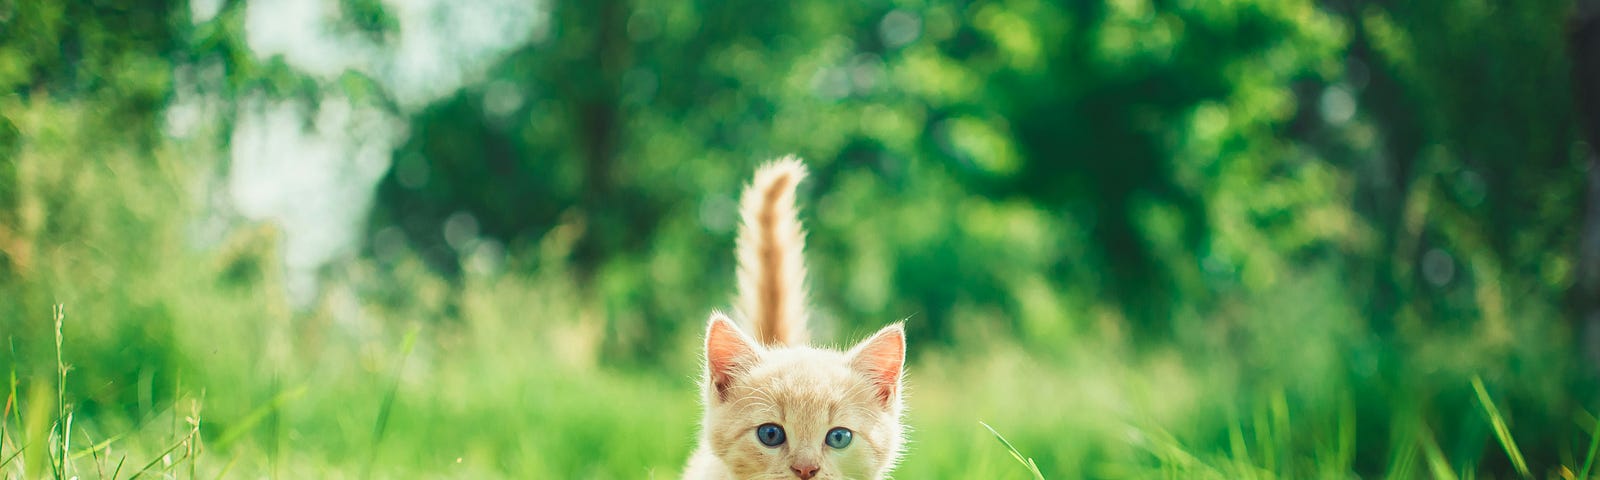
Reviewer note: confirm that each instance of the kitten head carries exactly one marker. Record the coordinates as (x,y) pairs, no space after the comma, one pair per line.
(803,412)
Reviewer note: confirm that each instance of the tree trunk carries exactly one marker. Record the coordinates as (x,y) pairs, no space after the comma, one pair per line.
(598,116)
(1584,47)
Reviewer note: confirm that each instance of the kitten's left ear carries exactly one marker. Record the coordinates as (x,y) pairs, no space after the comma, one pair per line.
(728,353)
(882,358)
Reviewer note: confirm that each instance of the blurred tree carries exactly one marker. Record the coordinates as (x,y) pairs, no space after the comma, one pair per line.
(1052,104)
(1584,46)
(1467,170)
(570,130)
(1096,100)
(110,55)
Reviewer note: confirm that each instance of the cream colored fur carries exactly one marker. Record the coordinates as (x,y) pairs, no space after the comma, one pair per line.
(774,377)
(772,271)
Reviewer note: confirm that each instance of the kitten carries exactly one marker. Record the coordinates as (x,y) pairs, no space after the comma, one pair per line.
(776,408)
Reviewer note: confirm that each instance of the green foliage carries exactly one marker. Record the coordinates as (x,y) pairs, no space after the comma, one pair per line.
(1249,239)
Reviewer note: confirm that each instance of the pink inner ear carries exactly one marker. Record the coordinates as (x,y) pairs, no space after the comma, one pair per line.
(882,358)
(727,353)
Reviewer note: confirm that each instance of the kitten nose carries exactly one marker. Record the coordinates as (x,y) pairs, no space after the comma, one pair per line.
(804,470)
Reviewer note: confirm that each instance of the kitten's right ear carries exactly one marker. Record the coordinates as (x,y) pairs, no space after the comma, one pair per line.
(728,353)
(883,358)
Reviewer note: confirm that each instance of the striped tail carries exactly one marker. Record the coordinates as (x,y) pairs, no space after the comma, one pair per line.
(772,272)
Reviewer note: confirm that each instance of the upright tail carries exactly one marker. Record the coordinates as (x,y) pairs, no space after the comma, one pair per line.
(772,272)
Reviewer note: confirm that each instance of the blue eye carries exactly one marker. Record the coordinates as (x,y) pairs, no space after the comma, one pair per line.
(839,437)
(770,434)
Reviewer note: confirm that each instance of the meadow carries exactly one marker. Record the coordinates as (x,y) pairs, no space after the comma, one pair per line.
(496,396)
(500,396)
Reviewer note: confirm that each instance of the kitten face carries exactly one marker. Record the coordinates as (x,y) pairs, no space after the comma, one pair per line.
(807,392)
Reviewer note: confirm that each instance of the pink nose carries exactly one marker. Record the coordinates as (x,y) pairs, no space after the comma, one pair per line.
(804,470)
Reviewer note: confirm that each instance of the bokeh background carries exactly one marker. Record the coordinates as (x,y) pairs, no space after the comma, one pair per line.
(1140,238)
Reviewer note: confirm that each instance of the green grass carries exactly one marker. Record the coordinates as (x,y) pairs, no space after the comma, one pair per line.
(1588,458)
(462,408)
(503,395)
(49,453)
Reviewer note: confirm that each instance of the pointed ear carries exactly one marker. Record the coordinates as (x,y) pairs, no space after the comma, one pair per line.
(728,353)
(882,359)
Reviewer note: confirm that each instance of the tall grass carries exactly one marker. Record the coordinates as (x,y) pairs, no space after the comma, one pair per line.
(495,397)
(49,450)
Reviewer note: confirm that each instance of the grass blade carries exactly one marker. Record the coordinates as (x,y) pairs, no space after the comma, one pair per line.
(36,430)
(1594,444)
(250,420)
(10,401)
(227,468)
(99,465)
(63,412)
(1025,461)
(66,445)
(13,456)
(180,443)
(1501,431)
(388,400)
(92,450)
(1435,457)
(118,470)
(16,413)
(194,437)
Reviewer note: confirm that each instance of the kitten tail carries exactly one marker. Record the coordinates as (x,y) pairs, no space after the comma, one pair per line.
(772,272)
